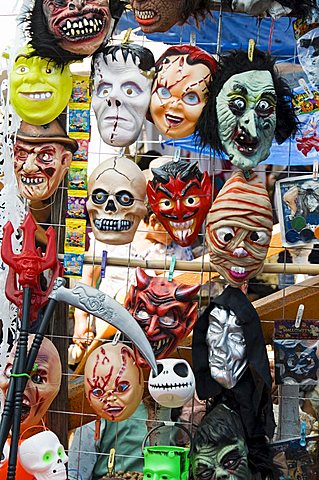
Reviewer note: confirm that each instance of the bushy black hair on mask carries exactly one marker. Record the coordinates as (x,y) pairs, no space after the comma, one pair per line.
(198,9)
(233,63)
(141,56)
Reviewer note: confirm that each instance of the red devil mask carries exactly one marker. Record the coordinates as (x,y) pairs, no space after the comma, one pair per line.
(180,196)
(166,311)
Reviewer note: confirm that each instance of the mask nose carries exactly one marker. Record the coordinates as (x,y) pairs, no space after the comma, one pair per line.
(110,206)
(240,252)
(29,165)
(248,123)
(77,4)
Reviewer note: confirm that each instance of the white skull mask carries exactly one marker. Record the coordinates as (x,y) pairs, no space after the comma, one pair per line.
(252,7)
(116,192)
(43,456)
(175,383)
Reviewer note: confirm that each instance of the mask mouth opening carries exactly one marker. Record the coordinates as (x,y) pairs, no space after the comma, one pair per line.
(246,144)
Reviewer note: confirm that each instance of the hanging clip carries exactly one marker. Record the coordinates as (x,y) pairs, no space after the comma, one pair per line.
(103,263)
(127,35)
(303,426)
(299,315)
(116,338)
(192,39)
(315,169)
(251,48)
(302,82)
(171,268)
(177,154)
(110,463)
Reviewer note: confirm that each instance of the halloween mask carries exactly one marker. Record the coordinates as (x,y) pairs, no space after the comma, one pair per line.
(219,449)
(43,456)
(248,105)
(308,51)
(239,228)
(42,387)
(123,76)
(252,7)
(113,382)
(42,156)
(166,311)
(116,191)
(180,196)
(180,89)
(174,385)
(39,89)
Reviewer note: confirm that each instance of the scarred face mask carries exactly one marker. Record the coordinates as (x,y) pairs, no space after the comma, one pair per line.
(79,26)
(239,227)
(180,196)
(180,89)
(113,382)
(246,114)
(123,77)
(166,311)
(116,192)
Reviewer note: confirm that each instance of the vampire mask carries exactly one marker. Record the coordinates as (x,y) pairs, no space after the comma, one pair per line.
(180,196)
(219,447)
(39,89)
(116,192)
(123,76)
(180,89)
(166,311)
(161,15)
(42,386)
(248,105)
(42,156)
(239,228)
(113,382)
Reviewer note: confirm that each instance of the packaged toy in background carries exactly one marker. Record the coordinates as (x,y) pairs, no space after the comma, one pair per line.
(75,236)
(76,204)
(296,353)
(73,264)
(83,151)
(79,118)
(297,462)
(77,178)
(298,210)
(80,89)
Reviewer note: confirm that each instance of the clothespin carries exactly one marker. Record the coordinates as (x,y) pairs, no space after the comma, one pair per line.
(192,39)
(177,154)
(110,463)
(116,338)
(171,268)
(127,35)
(299,315)
(251,48)
(303,426)
(315,169)
(302,82)
(103,263)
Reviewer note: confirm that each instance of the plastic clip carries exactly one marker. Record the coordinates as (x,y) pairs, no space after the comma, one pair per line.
(177,154)
(299,315)
(116,338)
(111,462)
(303,426)
(192,39)
(127,35)
(171,268)
(251,48)
(103,263)
(315,169)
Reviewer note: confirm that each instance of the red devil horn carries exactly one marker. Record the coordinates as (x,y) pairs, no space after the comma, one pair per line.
(185,293)
(142,278)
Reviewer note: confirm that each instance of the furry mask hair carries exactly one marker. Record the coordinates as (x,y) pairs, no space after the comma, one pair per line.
(198,9)
(231,64)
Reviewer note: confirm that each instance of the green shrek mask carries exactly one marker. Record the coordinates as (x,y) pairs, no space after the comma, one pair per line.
(39,89)
(219,449)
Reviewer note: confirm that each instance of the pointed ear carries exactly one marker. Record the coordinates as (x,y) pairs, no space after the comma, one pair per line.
(153,220)
(67,158)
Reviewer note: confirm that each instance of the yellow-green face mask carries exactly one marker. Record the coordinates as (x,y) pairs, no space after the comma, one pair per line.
(39,89)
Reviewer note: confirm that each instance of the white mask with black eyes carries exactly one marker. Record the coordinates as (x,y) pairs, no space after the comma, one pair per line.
(174,385)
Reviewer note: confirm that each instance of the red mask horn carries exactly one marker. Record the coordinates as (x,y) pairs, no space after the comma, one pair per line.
(142,279)
(185,293)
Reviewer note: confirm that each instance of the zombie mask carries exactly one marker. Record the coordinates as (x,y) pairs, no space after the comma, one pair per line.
(161,15)
(174,385)
(43,456)
(43,385)
(180,196)
(42,156)
(219,448)
(180,89)
(166,311)
(113,383)
(248,105)
(116,191)
(39,89)
(123,76)
(238,229)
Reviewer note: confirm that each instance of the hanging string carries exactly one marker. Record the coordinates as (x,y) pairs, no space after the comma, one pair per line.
(271,33)
(219,32)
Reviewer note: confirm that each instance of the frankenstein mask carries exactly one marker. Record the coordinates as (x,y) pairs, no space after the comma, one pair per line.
(180,196)
(39,89)
(180,89)
(113,382)
(239,227)
(123,76)
(116,191)
(226,347)
(219,449)
(166,311)
(42,156)
(43,385)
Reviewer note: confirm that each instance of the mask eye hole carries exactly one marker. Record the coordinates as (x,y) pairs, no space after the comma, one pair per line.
(225,234)
(97,392)
(259,237)
(163,93)
(191,99)
(181,370)
(125,198)
(99,196)
(104,90)
(237,106)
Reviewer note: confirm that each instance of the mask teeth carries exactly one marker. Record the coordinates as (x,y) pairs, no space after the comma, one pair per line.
(81,28)
(106,224)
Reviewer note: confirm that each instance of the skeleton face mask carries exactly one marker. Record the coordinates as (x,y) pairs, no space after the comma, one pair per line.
(116,191)
(122,91)
(113,382)
(43,456)
(174,385)
(180,196)
(166,311)
(79,26)
(246,113)
(227,347)
(239,227)
(308,54)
